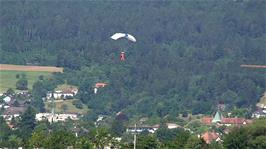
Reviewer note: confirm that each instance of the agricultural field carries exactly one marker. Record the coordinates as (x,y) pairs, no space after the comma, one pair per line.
(65,106)
(31,68)
(8,78)
(8,74)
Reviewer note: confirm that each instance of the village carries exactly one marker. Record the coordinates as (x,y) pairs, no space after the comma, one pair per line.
(215,125)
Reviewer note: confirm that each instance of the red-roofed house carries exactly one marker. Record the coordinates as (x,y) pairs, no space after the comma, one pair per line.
(227,121)
(206,120)
(220,120)
(233,121)
(208,137)
(98,85)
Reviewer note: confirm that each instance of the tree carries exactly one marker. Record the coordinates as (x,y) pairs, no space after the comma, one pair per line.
(146,142)
(14,141)
(180,140)
(22,84)
(195,143)
(17,76)
(100,137)
(83,143)
(118,128)
(41,77)
(4,132)
(164,134)
(10,91)
(39,92)
(27,123)
(236,139)
(251,136)
(37,139)
(60,139)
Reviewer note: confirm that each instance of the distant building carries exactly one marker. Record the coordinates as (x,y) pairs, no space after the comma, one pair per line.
(209,137)
(217,118)
(56,117)
(206,120)
(13,112)
(139,129)
(172,125)
(259,113)
(62,94)
(220,120)
(7,99)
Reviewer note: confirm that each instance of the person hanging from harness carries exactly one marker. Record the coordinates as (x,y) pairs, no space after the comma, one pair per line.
(127,36)
(122,56)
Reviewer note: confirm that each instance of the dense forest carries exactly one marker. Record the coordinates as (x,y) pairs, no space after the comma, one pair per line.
(186,59)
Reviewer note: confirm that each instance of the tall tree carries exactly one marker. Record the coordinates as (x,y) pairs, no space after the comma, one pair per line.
(27,123)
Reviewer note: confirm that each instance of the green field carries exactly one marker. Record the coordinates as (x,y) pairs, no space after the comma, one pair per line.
(262,101)
(8,78)
(70,107)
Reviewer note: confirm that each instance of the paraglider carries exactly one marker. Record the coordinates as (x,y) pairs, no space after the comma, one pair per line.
(117,36)
(129,37)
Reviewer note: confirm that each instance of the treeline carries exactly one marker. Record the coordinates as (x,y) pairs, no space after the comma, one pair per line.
(84,135)
(186,59)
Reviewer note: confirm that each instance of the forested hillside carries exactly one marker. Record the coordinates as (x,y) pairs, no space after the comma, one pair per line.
(187,56)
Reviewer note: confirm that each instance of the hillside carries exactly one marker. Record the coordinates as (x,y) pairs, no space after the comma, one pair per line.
(186,59)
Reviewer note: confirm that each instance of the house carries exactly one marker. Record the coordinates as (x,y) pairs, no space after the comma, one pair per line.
(206,120)
(99,85)
(234,121)
(220,120)
(209,137)
(172,125)
(56,117)
(11,112)
(259,113)
(7,99)
(139,129)
(70,92)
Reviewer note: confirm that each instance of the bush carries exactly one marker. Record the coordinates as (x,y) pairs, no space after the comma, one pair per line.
(22,84)
(69,97)
(77,104)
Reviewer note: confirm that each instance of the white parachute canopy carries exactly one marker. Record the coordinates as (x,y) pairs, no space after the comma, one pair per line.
(123,35)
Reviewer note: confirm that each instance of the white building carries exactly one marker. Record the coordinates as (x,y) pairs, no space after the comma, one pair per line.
(56,117)
(139,129)
(62,94)
(259,113)
(172,125)
(12,112)
(7,99)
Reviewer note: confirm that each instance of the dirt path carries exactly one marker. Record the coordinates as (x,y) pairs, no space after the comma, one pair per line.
(30,68)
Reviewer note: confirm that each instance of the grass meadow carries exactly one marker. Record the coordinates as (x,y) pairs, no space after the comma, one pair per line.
(8,78)
(65,106)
